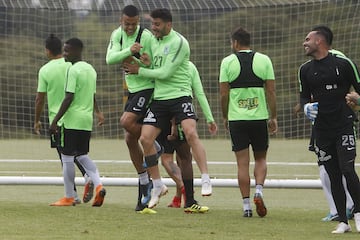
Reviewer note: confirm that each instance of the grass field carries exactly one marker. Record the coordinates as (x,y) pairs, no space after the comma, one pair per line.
(292,213)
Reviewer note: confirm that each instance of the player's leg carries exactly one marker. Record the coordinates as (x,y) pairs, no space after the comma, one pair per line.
(349,201)
(147,140)
(90,167)
(173,170)
(326,186)
(67,149)
(131,121)
(259,139)
(198,150)
(346,149)
(240,146)
(243,159)
(260,170)
(327,153)
(185,163)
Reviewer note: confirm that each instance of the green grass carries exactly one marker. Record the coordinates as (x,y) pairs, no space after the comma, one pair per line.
(292,213)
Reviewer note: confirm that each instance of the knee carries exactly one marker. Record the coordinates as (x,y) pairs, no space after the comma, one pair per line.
(124,121)
(146,142)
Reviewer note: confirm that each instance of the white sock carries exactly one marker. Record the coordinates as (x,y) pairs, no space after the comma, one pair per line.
(246,204)
(205,177)
(143,178)
(259,188)
(158,183)
(90,169)
(349,201)
(68,175)
(326,185)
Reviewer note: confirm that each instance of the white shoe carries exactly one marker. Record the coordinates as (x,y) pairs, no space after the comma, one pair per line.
(156,194)
(342,228)
(357,221)
(206,188)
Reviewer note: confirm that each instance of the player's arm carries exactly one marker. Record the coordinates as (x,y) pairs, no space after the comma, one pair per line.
(115,53)
(69,97)
(39,107)
(99,114)
(163,69)
(271,101)
(199,93)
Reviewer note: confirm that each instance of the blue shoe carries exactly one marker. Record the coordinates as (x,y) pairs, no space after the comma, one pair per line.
(330,217)
(350,213)
(146,193)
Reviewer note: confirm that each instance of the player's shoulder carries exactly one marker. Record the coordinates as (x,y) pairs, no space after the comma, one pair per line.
(262,57)
(116,33)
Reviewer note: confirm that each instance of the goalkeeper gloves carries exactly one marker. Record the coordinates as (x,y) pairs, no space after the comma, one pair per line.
(311,110)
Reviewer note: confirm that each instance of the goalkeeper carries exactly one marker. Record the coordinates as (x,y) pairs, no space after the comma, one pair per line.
(327,78)
(324,177)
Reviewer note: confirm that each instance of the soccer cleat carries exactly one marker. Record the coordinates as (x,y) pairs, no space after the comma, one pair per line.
(357,221)
(156,194)
(99,197)
(350,213)
(64,202)
(175,203)
(88,191)
(342,228)
(146,193)
(260,206)
(147,211)
(330,217)
(247,213)
(206,188)
(196,208)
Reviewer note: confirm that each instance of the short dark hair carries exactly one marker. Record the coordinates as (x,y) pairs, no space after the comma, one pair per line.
(325,32)
(241,35)
(162,13)
(76,43)
(130,11)
(53,44)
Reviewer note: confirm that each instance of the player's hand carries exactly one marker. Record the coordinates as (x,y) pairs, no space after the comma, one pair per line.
(352,99)
(212,128)
(101,118)
(53,128)
(145,59)
(272,126)
(311,110)
(135,48)
(37,127)
(131,68)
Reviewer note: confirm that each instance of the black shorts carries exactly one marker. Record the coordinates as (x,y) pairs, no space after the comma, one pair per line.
(337,145)
(245,133)
(138,102)
(74,142)
(170,146)
(160,112)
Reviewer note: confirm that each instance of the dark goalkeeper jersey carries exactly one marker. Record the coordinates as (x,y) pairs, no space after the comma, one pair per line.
(328,81)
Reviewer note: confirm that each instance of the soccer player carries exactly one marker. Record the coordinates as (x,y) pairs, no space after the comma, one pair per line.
(167,157)
(126,44)
(324,177)
(247,95)
(324,82)
(172,96)
(51,83)
(76,114)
